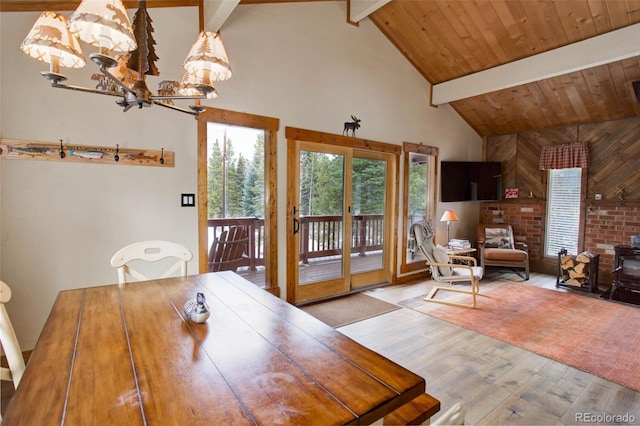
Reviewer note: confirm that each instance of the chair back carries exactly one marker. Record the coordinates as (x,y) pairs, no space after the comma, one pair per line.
(227,251)
(423,234)
(150,251)
(453,416)
(9,342)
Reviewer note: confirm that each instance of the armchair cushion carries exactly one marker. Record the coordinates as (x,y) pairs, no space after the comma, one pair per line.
(440,255)
(499,238)
(509,255)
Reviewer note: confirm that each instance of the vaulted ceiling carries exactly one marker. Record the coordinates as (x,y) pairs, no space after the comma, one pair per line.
(453,43)
(446,40)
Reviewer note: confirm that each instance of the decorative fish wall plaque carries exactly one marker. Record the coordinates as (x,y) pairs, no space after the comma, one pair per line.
(29,150)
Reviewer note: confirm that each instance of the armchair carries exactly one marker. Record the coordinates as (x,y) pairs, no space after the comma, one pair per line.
(443,270)
(497,247)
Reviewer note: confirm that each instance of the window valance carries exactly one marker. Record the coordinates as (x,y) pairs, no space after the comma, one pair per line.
(566,156)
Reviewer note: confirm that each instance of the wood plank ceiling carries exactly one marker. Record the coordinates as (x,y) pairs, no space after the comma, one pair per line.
(445,40)
(448,39)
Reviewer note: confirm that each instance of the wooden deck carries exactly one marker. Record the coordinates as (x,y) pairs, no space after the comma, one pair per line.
(320,268)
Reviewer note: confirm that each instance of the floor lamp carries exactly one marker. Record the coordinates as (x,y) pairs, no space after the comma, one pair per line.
(448,216)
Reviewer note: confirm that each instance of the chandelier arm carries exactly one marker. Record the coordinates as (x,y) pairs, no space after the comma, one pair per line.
(175,108)
(84,89)
(175,97)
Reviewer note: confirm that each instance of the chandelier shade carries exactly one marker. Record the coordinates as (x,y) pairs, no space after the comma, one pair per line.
(50,41)
(208,58)
(190,85)
(104,24)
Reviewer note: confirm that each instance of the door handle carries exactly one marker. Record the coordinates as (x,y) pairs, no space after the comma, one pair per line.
(296,222)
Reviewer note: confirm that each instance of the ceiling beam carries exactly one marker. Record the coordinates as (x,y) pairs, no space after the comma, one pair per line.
(360,9)
(599,50)
(217,11)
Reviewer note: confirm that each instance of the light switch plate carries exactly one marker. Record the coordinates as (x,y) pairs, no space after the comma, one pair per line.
(188,200)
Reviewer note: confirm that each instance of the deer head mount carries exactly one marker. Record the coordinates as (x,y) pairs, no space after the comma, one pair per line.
(351,125)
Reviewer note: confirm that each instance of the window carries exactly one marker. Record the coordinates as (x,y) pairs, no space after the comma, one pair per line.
(563,211)
(269,127)
(419,198)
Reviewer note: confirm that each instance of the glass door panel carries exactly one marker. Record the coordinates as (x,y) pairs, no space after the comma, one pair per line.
(321,216)
(320,220)
(371,203)
(368,214)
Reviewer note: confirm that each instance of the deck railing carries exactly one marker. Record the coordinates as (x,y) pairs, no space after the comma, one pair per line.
(321,236)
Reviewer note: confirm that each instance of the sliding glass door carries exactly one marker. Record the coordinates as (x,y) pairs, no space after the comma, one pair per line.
(340,215)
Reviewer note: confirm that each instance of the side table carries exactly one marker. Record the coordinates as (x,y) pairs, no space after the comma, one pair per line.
(470,252)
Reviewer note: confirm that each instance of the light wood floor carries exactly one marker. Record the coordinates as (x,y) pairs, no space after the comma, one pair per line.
(499,384)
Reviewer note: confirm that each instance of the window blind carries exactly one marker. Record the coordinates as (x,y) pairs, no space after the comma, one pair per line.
(563,211)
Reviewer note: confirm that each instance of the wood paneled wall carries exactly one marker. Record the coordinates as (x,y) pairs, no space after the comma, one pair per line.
(614,148)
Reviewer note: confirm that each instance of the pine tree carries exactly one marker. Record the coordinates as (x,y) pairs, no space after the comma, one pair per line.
(418,186)
(214,182)
(253,200)
(307,169)
(235,187)
(368,186)
(328,188)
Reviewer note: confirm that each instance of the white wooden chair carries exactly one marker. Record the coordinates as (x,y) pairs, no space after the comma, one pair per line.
(9,342)
(444,271)
(150,251)
(454,416)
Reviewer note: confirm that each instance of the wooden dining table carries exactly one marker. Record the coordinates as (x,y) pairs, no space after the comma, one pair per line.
(129,356)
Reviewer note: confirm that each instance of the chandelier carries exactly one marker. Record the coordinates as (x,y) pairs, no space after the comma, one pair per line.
(105,25)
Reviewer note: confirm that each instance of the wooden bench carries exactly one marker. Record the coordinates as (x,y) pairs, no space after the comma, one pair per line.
(414,412)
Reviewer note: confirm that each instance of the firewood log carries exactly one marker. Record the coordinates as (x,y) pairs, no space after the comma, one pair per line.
(575,275)
(574,283)
(567,262)
(579,268)
(582,258)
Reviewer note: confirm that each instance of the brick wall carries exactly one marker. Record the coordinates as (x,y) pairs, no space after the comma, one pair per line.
(607,224)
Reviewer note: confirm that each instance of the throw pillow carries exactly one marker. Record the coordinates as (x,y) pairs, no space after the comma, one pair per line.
(497,238)
(441,256)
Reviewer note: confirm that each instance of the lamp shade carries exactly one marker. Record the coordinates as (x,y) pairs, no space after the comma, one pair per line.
(103,23)
(449,216)
(208,58)
(50,41)
(191,85)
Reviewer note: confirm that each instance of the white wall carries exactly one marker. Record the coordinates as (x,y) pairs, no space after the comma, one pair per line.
(300,63)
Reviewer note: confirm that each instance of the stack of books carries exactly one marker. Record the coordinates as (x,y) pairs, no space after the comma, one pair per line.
(459,244)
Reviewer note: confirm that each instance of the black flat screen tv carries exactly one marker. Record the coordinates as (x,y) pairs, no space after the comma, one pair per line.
(470,181)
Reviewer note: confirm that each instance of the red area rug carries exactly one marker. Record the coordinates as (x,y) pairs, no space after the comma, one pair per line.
(593,335)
